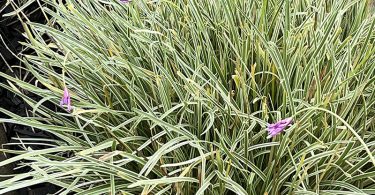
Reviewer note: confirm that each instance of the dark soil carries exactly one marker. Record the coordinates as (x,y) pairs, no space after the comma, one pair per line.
(10,37)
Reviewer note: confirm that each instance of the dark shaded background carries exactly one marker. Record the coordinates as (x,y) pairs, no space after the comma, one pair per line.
(10,38)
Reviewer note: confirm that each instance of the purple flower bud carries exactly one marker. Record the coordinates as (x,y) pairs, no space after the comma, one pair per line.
(276,128)
(65,100)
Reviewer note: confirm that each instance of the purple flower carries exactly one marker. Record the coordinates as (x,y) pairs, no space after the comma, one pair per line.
(276,128)
(124,1)
(65,100)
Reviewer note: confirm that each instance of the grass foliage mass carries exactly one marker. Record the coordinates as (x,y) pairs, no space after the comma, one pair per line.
(174,97)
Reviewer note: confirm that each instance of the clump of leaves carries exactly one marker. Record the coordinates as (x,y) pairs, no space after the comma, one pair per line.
(175,97)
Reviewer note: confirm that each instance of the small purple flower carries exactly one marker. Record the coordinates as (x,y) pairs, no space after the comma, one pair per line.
(124,1)
(65,100)
(276,128)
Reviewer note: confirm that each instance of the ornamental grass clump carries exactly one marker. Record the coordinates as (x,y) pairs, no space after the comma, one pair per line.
(199,97)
